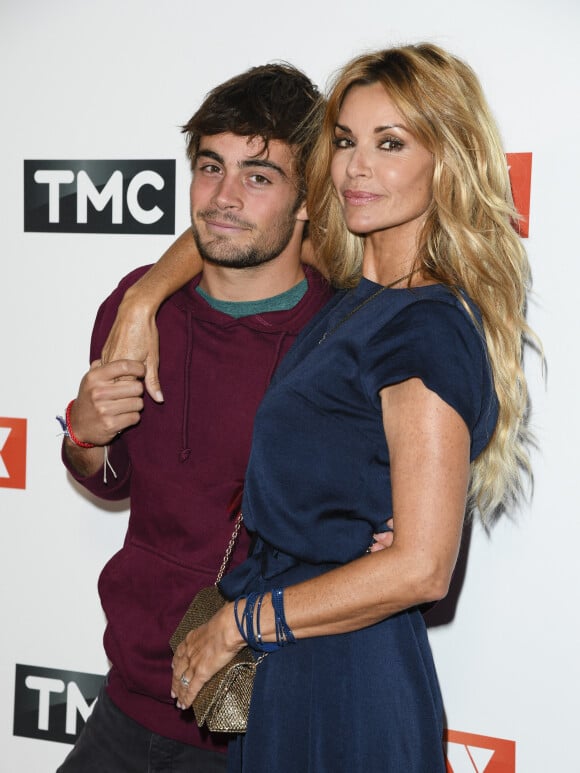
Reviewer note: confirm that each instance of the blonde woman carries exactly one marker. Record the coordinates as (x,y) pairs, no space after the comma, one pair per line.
(404,398)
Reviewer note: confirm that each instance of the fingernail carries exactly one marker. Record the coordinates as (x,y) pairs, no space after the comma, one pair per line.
(159,397)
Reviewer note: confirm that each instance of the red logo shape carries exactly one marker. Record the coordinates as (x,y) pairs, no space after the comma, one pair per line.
(520,169)
(471,753)
(12,453)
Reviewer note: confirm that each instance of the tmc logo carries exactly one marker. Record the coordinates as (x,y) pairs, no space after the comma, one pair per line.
(53,705)
(136,197)
(470,753)
(12,453)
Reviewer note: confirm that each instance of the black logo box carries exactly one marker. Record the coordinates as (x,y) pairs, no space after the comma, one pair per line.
(139,196)
(41,698)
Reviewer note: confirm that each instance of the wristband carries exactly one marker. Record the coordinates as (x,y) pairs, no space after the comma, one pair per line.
(68,431)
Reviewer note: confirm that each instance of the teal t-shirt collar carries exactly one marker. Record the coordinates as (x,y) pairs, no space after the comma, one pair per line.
(282,302)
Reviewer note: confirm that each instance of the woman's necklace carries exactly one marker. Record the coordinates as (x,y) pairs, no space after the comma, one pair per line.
(351,313)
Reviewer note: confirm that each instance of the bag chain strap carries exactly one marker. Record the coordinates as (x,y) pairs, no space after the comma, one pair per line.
(230,548)
(229,551)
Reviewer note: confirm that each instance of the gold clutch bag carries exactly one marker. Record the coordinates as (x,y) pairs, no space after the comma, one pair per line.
(223,702)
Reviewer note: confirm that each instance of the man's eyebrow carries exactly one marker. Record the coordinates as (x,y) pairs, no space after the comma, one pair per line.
(209,154)
(248,163)
(264,164)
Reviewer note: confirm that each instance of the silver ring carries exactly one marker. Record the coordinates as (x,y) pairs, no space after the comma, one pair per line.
(184,681)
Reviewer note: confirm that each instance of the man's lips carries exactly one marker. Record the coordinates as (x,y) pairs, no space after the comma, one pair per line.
(223,226)
(358,198)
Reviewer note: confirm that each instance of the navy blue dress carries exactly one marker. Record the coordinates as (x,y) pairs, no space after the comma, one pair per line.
(317,488)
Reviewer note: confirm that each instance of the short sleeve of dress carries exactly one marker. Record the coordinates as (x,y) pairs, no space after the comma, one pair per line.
(439,343)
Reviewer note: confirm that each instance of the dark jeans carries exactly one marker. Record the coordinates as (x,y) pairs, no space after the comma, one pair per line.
(111,742)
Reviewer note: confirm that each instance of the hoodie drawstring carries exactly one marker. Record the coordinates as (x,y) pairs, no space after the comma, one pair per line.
(185,452)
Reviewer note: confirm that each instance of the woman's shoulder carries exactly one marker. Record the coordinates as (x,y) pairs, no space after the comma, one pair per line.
(431,308)
(436,334)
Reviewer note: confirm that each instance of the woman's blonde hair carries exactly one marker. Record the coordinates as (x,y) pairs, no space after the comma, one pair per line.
(468,241)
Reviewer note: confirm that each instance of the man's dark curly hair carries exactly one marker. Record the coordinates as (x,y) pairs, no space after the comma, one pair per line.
(273,102)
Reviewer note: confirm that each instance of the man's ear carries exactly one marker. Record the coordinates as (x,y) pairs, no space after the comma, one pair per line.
(302,213)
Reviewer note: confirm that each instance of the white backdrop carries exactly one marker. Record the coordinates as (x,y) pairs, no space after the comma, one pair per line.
(114,80)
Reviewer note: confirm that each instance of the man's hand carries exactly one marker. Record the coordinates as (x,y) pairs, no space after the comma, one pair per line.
(109,400)
(134,336)
(383,539)
(105,404)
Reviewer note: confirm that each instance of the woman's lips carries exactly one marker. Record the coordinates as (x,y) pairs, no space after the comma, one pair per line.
(358,198)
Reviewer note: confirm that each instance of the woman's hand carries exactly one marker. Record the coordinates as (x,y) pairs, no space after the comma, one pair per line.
(134,336)
(134,333)
(202,653)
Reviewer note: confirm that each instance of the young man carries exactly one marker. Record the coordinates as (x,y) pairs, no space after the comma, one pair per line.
(183,462)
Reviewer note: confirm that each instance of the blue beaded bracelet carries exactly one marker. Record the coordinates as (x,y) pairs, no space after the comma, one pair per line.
(284,633)
(249,624)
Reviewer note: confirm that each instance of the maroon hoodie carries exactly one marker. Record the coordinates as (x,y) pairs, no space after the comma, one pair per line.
(183,467)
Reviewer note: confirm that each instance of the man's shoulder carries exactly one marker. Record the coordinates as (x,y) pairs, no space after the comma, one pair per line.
(132,277)
(116,296)
(317,283)
(320,291)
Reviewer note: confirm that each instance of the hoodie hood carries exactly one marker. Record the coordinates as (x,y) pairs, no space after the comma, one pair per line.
(277,329)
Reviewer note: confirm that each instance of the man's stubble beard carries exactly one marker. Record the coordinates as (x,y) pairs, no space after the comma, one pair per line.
(264,249)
